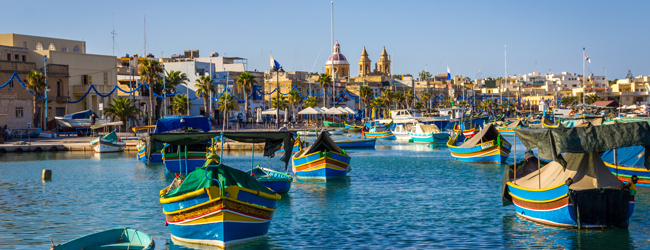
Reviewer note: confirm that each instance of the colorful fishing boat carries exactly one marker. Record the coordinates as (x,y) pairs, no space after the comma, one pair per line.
(108,143)
(548,123)
(116,238)
(277,181)
(323,160)
(466,132)
(576,189)
(333,124)
(352,128)
(376,124)
(627,164)
(428,134)
(487,146)
(181,160)
(510,128)
(363,143)
(153,157)
(25,133)
(383,135)
(168,153)
(401,131)
(296,146)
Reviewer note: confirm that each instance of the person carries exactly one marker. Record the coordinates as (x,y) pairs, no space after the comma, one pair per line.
(92,119)
(284,128)
(7,132)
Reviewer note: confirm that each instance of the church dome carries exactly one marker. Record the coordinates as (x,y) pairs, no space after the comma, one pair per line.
(337,57)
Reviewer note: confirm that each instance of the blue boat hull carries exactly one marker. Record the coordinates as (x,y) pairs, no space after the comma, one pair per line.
(356,144)
(280,187)
(175,166)
(219,233)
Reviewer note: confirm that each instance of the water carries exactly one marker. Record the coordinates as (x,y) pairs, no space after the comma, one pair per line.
(399,196)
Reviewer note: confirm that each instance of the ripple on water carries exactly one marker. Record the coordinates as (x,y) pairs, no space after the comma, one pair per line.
(399,196)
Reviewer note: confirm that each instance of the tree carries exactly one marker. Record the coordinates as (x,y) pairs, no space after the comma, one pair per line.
(425,97)
(124,109)
(204,87)
(467,79)
(179,104)
(399,98)
(365,96)
(294,97)
(408,97)
(226,103)
(593,98)
(310,102)
(613,82)
(324,80)
(387,98)
(377,103)
(283,102)
(171,81)
(246,81)
(150,71)
(424,75)
(36,84)
(419,106)
(568,100)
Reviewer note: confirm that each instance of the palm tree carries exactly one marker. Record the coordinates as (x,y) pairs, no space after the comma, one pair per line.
(324,80)
(419,106)
(283,102)
(204,87)
(294,97)
(425,97)
(124,109)
(173,79)
(310,102)
(150,71)
(366,96)
(36,84)
(408,97)
(246,81)
(179,104)
(399,99)
(377,103)
(226,103)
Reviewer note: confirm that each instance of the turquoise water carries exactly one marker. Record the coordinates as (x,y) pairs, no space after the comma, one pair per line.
(400,195)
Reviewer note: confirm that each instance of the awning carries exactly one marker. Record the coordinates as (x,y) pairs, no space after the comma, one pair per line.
(272,112)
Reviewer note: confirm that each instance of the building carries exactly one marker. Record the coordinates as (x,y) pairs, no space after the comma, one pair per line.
(337,66)
(16,104)
(83,69)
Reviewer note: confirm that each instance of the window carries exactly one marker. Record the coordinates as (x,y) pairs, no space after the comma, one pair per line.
(8,57)
(58,88)
(25,45)
(105,77)
(39,46)
(24,58)
(52,46)
(64,48)
(19,112)
(17,58)
(11,84)
(60,111)
(76,49)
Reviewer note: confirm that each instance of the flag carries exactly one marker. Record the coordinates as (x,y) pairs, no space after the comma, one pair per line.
(448,73)
(274,64)
(586,56)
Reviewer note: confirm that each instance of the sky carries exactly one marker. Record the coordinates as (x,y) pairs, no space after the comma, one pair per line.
(465,35)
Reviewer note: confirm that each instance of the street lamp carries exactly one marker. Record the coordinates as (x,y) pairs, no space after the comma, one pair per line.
(278,71)
(47,89)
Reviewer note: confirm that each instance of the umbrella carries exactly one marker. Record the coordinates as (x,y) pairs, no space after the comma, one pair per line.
(310,111)
(344,111)
(333,111)
(271,112)
(286,115)
(350,111)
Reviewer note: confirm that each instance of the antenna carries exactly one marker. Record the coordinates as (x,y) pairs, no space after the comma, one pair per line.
(113,33)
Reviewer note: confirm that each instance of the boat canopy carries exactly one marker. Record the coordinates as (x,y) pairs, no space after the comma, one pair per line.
(173,122)
(489,133)
(426,129)
(271,140)
(226,175)
(323,142)
(81,115)
(515,124)
(111,136)
(627,157)
(552,143)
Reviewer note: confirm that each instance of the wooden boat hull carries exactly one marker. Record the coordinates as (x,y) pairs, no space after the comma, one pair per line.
(102,145)
(154,157)
(219,221)
(352,128)
(333,124)
(368,143)
(438,138)
(550,206)
(385,135)
(402,136)
(116,238)
(318,166)
(625,174)
(194,160)
(487,152)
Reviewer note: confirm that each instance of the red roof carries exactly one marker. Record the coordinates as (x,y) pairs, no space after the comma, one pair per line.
(605,104)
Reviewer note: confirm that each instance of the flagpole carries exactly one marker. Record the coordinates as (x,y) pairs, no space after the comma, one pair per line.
(583,74)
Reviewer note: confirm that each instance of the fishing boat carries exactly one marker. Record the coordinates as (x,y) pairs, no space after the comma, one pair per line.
(382,135)
(179,159)
(549,124)
(466,132)
(323,160)
(401,131)
(376,124)
(487,146)
(25,133)
(277,181)
(108,143)
(333,124)
(627,164)
(175,157)
(362,143)
(116,238)
(75,121)
(335,131)
(576,189)
(296,146)
(510,128)
(218,205)
(428,134)
(354,130)
(310,132)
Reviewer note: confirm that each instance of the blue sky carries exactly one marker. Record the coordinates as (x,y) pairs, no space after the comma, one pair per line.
(465,35)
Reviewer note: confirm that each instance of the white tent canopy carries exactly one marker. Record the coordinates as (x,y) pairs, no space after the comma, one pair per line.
(350,111)
(310,111)
(333,111)
(271,112)
(344,111)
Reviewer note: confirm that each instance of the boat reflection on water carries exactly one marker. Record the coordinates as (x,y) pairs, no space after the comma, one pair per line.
(520,233)
(323,189)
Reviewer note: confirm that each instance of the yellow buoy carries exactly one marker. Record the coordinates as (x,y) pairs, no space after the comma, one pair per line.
(47,174)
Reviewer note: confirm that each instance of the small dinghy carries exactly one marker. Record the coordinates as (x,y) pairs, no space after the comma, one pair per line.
(277,181)
(116,238)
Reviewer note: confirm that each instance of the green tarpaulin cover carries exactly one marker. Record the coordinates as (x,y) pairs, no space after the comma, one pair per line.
(553,142)
(111,136)
(226,175)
